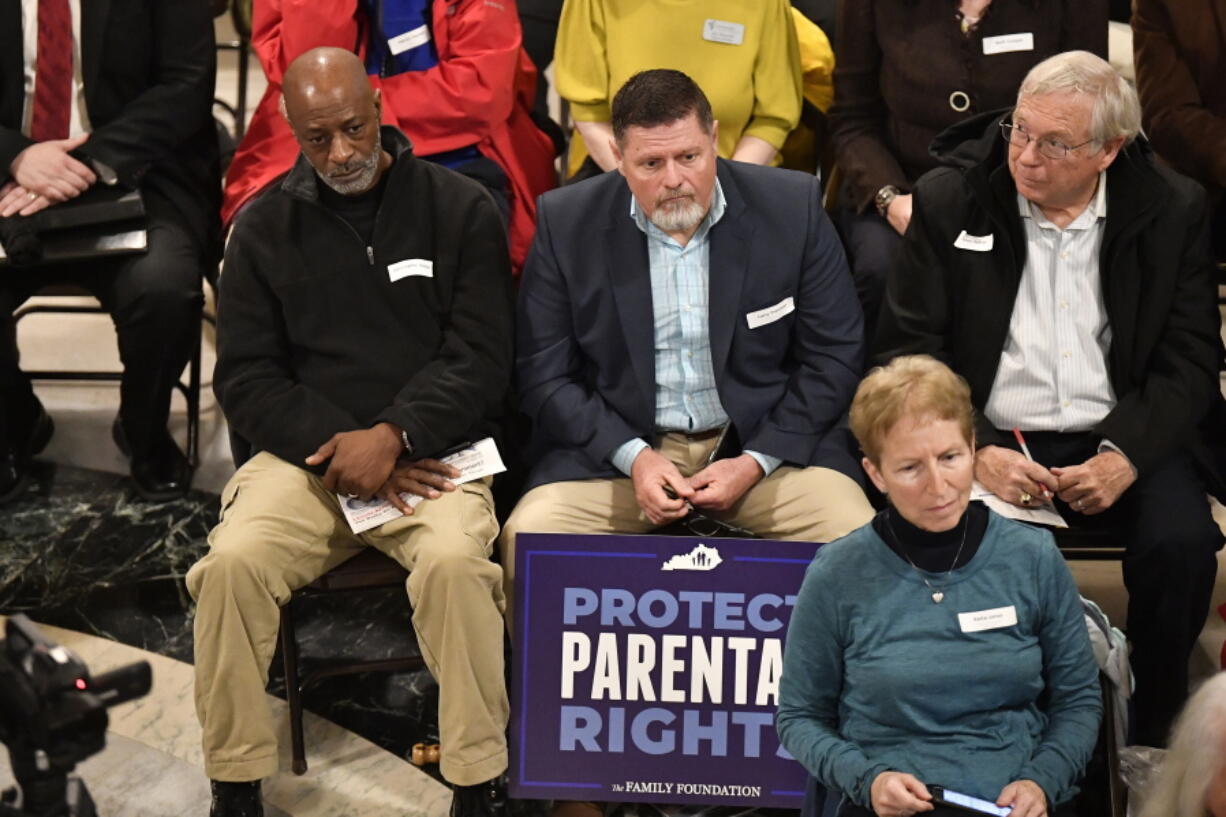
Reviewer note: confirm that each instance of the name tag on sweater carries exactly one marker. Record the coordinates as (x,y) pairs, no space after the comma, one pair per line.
(410,266)
(722,31)
(993,619)
(978,243)
(409,40)
(771,314)
(1008,42)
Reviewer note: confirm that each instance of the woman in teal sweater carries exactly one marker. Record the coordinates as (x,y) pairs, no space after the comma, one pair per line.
(922,644)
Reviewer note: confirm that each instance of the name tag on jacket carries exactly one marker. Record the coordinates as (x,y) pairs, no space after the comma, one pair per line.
(722,31)
(1008,42)
(978,243)
(410,266)
(994,619)
(771,314)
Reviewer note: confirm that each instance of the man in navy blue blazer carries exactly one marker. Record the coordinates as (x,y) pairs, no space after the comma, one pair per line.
(662,303)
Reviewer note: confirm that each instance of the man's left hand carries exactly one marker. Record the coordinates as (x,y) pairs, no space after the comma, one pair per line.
(1096,484)
(361,461)
(718,486)
(15,200)
(1025,797)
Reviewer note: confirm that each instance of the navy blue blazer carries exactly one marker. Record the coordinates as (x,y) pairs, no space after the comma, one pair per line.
(586,359)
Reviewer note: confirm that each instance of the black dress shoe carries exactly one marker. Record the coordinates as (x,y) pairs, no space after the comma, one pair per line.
(160,476)
(240,799)
(15,457)
(488,799)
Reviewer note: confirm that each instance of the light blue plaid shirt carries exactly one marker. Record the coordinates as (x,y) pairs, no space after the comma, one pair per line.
(686,397)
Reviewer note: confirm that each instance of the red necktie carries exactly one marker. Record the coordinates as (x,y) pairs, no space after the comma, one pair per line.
(53,72)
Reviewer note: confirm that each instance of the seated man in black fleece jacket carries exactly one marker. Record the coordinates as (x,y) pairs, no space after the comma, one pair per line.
(364,326)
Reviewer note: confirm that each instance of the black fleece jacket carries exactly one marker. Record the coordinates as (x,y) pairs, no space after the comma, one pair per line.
(1156,276)
(317,332)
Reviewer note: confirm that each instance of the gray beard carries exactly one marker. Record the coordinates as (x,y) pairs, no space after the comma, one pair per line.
(678,218)
(362,183)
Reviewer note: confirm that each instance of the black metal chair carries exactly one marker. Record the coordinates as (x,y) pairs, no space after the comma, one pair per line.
(368,570)
(189,389)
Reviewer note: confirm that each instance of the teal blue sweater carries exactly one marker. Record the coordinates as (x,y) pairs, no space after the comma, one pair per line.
(877,677)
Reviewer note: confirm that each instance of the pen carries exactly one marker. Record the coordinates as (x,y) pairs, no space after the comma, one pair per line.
(1017,435)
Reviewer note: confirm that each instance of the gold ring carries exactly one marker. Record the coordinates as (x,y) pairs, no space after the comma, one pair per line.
(33,196)
(1026,498)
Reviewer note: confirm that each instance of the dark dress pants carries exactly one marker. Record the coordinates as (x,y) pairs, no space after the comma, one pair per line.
(1170,565)
(872,248)
(154,298)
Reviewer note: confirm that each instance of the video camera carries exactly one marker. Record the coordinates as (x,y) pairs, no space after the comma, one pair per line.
(53,716)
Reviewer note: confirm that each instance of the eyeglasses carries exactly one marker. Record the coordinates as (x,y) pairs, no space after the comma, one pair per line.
(1016,136)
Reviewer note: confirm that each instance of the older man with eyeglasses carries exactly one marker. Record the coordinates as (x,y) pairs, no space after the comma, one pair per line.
(1066,276)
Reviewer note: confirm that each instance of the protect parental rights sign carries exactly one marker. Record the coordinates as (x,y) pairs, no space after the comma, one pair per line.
(647,669)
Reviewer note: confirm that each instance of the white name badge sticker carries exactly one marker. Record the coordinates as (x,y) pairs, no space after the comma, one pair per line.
(993,619)
(409,40)
(410,266)
(771,314)
(1008,42)
(977,243)
(722,31)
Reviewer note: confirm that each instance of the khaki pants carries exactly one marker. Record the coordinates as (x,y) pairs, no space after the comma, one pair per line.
(281,530)
(800,504)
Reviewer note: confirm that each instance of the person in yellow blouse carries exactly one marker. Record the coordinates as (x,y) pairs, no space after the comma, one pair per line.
(744,56)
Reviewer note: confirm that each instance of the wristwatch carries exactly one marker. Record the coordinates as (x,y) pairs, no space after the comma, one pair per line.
(404,438)
(883,198)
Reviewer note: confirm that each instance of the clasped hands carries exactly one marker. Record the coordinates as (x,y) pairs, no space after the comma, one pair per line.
(367,463)
(716,487)
(897,794)
(1089,488)
(44,174)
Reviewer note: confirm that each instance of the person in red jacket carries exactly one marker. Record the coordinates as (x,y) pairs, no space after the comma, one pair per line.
(452,76)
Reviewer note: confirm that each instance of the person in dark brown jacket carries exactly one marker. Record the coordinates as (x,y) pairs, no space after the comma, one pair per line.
(1179,47)
(907,70)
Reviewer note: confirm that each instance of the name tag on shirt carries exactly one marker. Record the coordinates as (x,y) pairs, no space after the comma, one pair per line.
(771,314)
(993,619)
(410,266)
(410,40)
(977,243)
(1008,42)
(722,31)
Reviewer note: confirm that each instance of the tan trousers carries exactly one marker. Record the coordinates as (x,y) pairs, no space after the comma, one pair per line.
(281,530)
(799,504)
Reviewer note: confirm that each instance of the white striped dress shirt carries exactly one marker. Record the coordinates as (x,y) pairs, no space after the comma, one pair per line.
(1053,369)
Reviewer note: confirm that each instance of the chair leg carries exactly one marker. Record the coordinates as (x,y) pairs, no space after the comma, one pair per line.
(293,691)
(193,399)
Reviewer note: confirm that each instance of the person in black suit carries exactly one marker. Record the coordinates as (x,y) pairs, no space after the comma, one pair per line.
(111,92)
(1065,274)
(756,329)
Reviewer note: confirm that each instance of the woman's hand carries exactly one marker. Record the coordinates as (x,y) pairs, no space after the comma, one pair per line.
(1026,798)
(899,213)
(897,794)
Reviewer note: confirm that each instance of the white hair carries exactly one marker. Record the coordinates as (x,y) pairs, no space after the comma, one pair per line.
(1117,110)
(1197,752)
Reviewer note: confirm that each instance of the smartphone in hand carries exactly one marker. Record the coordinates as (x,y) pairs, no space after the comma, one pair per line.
(942,796)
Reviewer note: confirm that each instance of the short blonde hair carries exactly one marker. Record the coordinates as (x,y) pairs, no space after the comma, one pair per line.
(909,386)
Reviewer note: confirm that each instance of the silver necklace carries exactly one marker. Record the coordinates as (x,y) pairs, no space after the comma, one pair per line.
(938,596)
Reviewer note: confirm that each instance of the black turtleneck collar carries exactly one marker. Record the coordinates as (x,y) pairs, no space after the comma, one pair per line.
(933,551)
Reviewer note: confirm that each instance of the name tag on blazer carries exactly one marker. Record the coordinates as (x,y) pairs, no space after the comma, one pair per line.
(1008,42)
(995,619)
(976,243)
(771,314)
